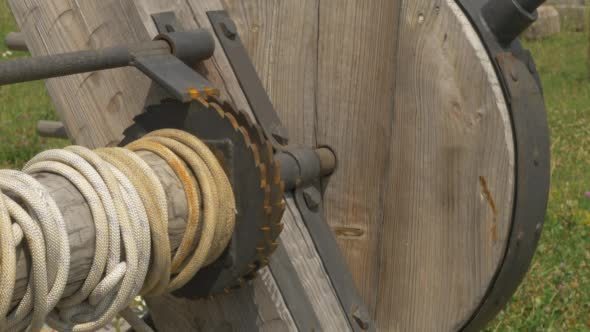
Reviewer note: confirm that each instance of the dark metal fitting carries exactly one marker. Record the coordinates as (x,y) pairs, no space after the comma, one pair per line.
(191,47)
(313,198)
(301,166)
(507,19)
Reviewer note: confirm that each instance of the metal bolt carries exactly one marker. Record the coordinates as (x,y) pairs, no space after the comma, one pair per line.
(361,319)
(312,197)
(229,30)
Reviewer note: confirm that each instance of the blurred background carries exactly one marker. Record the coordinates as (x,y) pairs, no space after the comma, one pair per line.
(556,293)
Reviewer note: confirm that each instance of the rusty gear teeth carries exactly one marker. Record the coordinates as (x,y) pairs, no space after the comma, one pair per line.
(276,204)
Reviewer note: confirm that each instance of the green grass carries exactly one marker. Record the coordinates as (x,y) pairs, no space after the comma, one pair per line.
(21,106)
(556,293)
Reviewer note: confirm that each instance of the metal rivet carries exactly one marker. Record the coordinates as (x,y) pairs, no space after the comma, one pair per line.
(228,30)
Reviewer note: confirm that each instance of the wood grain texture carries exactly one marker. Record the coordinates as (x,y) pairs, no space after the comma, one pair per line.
(252,308)
(356,78)
(281,38)
(450,189)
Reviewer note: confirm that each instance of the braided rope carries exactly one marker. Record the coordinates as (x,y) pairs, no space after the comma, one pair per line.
(227,202)
(154,199)
(7,262)
(190,191)
(130,212)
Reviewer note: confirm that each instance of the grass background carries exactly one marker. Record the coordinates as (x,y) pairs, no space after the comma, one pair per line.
(556,293)
(21,106)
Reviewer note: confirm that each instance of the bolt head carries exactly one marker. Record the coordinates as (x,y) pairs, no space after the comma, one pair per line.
(313,198)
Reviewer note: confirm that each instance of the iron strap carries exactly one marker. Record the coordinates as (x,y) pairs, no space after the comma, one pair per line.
(262,107)
(309,202)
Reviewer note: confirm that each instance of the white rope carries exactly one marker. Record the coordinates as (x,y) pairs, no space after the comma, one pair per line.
(72,312)
(7,262)
(132,251)
(54,276)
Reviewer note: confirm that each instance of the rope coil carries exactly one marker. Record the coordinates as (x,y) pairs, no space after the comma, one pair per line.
(132,249)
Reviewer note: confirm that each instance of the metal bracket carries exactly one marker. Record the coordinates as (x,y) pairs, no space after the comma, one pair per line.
(166,22)
(523,92)
(262,107)
(172,71)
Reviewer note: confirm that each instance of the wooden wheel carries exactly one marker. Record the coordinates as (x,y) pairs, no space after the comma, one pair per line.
(427,192)
(406,94)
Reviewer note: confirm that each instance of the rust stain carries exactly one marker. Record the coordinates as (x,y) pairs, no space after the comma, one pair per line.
(348,232)
(490,199)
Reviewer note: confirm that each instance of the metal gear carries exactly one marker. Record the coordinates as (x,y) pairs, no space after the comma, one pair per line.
(275,183)
(248,159)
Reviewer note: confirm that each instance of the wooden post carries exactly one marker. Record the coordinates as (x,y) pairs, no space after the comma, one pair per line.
(402,90)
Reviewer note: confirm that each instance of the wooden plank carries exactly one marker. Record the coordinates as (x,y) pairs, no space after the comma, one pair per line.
(450,188)
(252,308)
(356,77)
(281,38)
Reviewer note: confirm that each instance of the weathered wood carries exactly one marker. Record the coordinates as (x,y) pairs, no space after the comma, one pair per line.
(80,225)
(449,196)
(281,37)
(389,114)
(54,129)
(356,75)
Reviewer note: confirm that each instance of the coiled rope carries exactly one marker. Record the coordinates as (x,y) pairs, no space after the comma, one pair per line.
(130,213)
